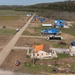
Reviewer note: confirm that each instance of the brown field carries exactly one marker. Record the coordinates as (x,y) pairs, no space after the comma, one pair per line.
(15,55)
(13,21)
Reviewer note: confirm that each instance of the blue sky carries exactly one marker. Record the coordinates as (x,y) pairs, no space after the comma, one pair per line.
(25,2)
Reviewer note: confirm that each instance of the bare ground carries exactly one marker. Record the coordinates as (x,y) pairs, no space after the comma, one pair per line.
(13,22)
(9,63)
(28,41)
(68,36)
(4,39)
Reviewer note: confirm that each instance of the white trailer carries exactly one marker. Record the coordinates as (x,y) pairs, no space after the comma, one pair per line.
(47,25)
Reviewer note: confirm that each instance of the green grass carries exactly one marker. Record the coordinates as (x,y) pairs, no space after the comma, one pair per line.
(6,31)
(9,18)
(72,66)
(40,28)
(37,68)
(26,33)
(60,56)
(36,29)
(70,30)
(56,45)
(63,56)
(13,13)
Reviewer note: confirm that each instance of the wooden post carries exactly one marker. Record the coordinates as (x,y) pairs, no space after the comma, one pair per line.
(33,57)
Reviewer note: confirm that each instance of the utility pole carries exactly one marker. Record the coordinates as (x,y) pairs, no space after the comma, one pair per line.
(33,60)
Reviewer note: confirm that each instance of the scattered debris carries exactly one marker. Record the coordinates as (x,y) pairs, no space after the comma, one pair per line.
(4,27)
(17,63)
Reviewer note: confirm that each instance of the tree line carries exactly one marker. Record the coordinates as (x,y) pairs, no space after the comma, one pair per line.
(68,5)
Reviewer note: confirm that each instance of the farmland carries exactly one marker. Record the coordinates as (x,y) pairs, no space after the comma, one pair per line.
(13,13)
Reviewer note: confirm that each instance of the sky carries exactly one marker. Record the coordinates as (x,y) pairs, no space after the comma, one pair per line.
(25,2)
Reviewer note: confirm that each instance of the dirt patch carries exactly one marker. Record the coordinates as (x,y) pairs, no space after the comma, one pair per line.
(0,49)
(30,30)
(27,41)
(4,39)
(67,60)
(34,25)
(9,63)
(31,41)
(68,36)
(62,61)
(48,21)
(13,21)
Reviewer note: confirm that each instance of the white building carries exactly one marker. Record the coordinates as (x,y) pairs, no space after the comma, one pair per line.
(43,52)
(72,50)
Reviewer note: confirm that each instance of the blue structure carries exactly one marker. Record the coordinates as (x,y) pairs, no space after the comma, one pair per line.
(42,19)
(73,43)
(59,23)
(50,31)
(35,17)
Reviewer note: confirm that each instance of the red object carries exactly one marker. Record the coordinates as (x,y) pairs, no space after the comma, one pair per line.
(63,43)
(17,63)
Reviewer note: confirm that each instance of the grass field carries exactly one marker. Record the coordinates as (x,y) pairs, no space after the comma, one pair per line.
(37,69)
(70,30)
(7,31)
(12,13)
(11,18)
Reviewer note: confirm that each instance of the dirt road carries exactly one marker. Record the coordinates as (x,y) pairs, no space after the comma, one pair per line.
(44,37)
(6,50)
(13,73)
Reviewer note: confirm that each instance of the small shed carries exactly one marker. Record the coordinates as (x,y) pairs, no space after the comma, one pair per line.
(59,23)
(46,25)
(35,17)
(50,31)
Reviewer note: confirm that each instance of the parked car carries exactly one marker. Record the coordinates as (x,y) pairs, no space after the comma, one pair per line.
(63,43)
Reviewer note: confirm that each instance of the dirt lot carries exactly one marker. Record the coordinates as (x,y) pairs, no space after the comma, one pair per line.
(4,39)
(13,21)
(29,41)
(15,55)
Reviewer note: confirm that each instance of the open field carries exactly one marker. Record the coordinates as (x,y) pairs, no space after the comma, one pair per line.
(70,31)
(4,39)
(6,34)
(13,19)
(13,13)
(7,31)
(12,58)
(31,41)
(13,22)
